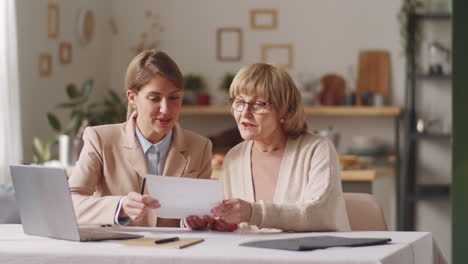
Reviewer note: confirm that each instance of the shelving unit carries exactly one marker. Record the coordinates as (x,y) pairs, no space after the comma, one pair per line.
(365,180)
(416,136)
(432,192)
(409,190)
(367,175)
(434,77)
(390,111)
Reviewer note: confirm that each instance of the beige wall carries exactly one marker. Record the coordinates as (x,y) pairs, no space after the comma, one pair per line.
(326,36)
(39,95)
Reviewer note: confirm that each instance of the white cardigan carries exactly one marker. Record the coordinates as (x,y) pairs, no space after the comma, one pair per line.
(308,195)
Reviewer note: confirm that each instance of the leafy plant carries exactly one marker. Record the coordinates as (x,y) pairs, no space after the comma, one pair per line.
(110,110)
(194,82)
(42,150)
(409,8)
(78,109)
(226,81)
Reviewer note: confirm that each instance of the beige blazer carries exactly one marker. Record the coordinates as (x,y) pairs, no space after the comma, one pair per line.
(308,195)
(112,164)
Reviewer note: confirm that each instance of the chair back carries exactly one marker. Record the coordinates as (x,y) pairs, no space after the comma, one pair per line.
(364,212)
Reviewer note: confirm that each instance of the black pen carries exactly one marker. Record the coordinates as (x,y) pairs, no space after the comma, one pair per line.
(166,240)
(143,186)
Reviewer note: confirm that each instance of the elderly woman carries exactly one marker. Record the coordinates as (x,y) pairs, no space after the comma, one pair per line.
(107,179)
(281,176)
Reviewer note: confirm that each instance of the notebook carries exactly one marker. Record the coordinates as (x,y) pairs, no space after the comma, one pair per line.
(315,242)
(46,208)
(149,242)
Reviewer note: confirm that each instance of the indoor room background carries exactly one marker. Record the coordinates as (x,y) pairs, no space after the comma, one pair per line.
(325,36)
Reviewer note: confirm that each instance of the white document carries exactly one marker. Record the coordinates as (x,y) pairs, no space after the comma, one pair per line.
(180,197)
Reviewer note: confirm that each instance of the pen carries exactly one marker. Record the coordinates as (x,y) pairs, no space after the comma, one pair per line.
(166,240)
(143,186)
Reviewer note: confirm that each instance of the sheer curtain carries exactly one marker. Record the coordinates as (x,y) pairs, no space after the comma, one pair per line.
(10,123)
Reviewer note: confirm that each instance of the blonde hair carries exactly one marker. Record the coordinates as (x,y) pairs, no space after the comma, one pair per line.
(145,66)
(275,85)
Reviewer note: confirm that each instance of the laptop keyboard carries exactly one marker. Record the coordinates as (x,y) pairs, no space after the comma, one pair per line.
(91,235)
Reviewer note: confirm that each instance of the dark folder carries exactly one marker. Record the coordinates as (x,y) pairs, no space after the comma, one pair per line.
(315,242)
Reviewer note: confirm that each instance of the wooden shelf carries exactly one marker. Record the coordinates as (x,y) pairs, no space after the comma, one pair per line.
(205,110)
(309,110)
(432,192)
(358,175)
(434,76)
(346,175)
(431,136)
(433,16)
(353,110)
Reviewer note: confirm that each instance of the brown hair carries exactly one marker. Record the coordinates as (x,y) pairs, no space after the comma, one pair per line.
(145,66)
(275,85)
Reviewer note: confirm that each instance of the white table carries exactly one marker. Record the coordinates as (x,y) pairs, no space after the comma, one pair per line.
(16,247)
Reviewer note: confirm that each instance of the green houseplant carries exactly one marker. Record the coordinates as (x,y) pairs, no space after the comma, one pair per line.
(193,85)
(79,111)
(42,150)
(112,109)
(224,86)
(407,9)
(226,81)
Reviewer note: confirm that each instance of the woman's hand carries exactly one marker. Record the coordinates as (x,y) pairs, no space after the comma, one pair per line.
(233,211)
(135,206)
(195,222)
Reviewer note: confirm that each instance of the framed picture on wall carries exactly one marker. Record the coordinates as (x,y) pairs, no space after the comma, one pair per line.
(45,64)
(53,20)
(263,19)
(65,52)
(229,44)
(279,54)
(85,25)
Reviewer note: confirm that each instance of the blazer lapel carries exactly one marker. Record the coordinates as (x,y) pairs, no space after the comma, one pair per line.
(176,160)
(133,152)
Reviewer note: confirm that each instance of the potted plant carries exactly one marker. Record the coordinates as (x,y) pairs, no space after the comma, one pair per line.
(226,81)
(69,137)
(78,115)
(111,110)
(193,85)
(77,105)
(224,86)
(42,150)
(407,9)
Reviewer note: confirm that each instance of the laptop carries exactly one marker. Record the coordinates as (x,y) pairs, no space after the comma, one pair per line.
(46,207)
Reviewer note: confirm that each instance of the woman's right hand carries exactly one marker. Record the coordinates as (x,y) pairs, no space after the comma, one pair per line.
(135,206)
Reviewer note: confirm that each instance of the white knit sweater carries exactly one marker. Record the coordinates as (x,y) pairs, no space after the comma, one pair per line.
(308,195)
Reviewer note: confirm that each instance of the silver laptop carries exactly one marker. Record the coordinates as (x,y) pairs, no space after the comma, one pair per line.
(46,208)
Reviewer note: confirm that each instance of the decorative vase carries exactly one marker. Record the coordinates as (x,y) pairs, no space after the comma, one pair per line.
(189,97)
(65,150)
(203,99)
(77,147)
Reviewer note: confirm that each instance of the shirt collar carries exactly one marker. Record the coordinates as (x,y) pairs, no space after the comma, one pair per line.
(162,146)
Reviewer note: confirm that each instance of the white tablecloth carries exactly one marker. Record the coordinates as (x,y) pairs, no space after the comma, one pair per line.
(16,247)
(8,209)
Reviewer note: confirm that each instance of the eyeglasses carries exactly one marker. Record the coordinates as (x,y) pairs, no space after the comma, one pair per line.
(256,107)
